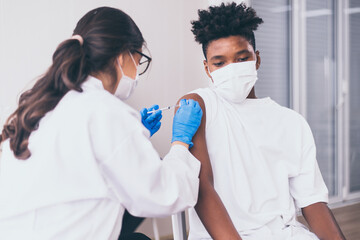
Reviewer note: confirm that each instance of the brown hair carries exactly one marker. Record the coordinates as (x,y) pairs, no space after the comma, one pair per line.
(107,32)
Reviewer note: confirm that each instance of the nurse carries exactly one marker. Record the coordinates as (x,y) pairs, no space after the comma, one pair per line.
(75,156)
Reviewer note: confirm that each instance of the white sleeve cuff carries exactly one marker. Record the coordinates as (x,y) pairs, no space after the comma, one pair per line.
(181,152)
(311,200)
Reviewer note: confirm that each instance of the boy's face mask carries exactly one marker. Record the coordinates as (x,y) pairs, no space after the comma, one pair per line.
(235,81)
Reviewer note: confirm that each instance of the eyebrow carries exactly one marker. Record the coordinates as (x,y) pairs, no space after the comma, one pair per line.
(221,56)
(242,51)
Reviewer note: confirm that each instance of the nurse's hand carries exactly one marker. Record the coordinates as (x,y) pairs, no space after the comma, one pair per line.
(186,121)
(151,121)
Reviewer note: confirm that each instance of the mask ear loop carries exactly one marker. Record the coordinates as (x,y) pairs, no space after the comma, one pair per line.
(208,69)
(132,58)
(122,72)
(136,66)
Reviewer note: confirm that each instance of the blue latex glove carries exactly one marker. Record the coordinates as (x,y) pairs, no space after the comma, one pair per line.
(186,121)
(151,121)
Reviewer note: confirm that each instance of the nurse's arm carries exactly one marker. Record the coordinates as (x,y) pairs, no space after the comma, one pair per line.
(209,207)
(322,222)
(132,170)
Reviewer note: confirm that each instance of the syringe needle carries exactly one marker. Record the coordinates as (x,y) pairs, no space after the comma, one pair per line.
(163,109)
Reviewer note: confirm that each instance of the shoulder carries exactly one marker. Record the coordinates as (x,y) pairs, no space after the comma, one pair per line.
(207,94)
(193,96)
(99,106)
(286,113)
(199,99)
(204,96)
(196,97)
(111,107)
(113,119)
(292,119)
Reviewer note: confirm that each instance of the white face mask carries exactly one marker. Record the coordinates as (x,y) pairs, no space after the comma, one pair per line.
(126,85)
(235,81)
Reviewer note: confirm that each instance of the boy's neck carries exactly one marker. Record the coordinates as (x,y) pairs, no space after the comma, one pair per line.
(252,93)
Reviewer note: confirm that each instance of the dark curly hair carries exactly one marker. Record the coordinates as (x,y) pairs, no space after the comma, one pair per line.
(224,21)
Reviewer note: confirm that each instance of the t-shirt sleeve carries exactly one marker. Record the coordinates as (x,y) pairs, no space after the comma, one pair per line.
(210,104)
(308,186)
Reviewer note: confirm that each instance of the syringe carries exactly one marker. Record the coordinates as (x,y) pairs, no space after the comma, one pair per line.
(163,109)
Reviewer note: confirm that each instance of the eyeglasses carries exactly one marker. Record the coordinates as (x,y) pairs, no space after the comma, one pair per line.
(144,62)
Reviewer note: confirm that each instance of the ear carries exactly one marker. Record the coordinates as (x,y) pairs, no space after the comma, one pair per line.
(120,60)
(258,60)
(206,67)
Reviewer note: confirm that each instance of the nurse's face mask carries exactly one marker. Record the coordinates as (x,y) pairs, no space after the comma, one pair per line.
(235,81)
(126,85)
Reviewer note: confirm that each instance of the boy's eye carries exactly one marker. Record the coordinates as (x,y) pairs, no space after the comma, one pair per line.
(243,59)
(218,64)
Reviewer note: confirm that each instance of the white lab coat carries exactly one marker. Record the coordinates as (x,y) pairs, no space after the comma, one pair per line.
(91,159)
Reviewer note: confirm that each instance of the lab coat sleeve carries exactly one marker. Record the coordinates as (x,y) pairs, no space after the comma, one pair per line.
(143,183)
(147,186)
(308,186)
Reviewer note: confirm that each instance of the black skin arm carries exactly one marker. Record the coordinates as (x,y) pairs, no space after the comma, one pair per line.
(209,207)
(322,222)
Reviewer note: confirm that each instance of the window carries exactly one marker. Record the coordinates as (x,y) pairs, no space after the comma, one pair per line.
(354,96)
(310,52)
(320,85)
(272,40)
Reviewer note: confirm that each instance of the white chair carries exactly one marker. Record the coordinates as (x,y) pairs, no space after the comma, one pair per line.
(179,226)
(155,229)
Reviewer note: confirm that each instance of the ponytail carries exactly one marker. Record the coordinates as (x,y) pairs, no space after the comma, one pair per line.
(67,72)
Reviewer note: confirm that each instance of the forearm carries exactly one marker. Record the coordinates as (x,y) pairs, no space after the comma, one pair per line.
(322,222)
(213,214)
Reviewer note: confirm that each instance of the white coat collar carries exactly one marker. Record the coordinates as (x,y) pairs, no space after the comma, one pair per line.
(92,83)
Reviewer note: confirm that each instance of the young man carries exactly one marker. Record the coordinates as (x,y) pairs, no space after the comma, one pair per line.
(258,158)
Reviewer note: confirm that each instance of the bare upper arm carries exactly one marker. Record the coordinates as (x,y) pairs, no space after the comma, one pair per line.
(199,150)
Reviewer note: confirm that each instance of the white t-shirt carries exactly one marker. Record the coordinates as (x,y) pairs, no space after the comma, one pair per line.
(90,159)
(264,164)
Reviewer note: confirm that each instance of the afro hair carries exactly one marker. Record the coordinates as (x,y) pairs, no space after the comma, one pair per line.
(223,21)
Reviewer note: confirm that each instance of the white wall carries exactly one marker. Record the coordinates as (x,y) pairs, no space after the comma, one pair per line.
(31,30)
